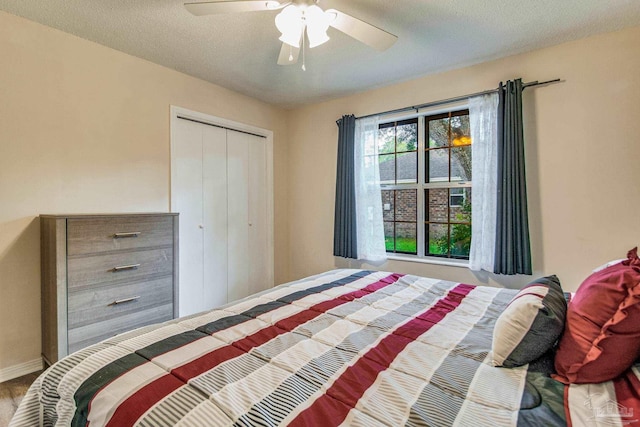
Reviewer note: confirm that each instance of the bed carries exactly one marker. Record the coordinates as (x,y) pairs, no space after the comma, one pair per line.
(347,347)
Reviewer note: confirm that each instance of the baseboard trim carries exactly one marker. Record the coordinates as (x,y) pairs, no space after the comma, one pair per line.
(19,370)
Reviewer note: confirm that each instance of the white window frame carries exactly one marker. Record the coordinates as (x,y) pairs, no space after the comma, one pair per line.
(421,186)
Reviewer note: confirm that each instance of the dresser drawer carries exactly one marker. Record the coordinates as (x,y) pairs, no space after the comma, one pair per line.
(104,234)
(92,333)
(97,304)
(126,267)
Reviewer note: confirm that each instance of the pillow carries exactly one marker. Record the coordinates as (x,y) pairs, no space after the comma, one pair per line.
(530,324)
(602,334)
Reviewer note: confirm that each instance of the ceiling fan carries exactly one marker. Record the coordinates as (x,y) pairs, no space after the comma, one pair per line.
(299,18)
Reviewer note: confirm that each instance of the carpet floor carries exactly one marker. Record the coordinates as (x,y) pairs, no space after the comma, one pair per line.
(11,393)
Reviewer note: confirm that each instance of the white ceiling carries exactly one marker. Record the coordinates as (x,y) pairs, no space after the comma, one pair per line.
(240,51)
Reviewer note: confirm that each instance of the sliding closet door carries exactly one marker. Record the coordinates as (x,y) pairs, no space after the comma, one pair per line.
(258,216)
(247,229)
(187,187)
(200,196)
(214,195)
(220,187)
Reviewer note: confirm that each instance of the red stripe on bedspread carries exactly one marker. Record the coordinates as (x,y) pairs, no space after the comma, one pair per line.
(153,392)
(333,407)
(132,408)
(627,389)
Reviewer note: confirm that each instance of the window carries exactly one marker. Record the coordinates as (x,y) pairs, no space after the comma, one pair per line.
(426,199)
(457,198)
(398,163)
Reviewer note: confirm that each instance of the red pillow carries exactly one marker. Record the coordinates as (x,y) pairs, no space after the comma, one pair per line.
(602,331)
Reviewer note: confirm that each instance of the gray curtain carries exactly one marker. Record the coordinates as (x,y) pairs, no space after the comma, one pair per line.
(513,249)
(345,233)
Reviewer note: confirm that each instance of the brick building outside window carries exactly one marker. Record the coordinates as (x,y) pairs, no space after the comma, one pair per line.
(425,174)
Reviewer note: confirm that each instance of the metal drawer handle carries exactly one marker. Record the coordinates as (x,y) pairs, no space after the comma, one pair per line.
(128,234)
(122,301)
(126,267)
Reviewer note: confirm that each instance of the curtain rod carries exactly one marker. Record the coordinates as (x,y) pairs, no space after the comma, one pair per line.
(456,99)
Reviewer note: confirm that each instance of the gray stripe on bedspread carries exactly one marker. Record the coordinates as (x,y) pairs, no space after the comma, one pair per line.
(315,374)
(173,408)
(227,373)
(51,381)
(235,369)
(441,399)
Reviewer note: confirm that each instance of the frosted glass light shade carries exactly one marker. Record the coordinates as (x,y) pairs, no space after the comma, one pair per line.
(317,25)
(292,38)
(290,23)
(316,38)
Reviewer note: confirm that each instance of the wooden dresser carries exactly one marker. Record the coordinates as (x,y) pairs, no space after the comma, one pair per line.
(103,275)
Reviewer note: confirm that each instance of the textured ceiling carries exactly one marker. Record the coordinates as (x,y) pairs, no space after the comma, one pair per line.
(240,51)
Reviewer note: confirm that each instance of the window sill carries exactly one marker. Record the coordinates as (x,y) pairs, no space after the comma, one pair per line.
(430,260)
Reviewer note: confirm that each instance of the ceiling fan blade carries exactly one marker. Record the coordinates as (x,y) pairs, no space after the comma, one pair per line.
(286,52)
(362,31)
(219,7)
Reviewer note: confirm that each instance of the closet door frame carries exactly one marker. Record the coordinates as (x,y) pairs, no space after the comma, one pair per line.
(177,112)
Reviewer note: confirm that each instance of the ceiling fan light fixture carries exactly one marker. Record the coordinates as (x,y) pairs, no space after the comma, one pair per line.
(317,22)
(291,24)
(295,18)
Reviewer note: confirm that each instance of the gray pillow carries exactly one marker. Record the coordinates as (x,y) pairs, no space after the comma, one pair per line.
(530,324)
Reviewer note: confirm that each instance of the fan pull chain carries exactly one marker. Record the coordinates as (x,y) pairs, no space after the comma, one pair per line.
(304,67)
(290,53)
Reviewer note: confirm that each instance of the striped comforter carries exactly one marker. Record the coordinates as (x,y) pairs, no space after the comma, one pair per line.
(348,347)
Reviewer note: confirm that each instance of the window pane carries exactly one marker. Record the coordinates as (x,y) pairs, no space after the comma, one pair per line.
(439,133)
(387,168)
(438,161)
(460,131)
(387,205)
(407,136)
(456,197)
(461,163)
(460,240)
(406,205)
(388,236)
(460,205)
(438,239)
(407,167)
(406,237)
(437,202)
(387,140)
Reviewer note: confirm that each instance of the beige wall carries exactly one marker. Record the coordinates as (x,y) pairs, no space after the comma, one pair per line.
(84,128)
(583,152)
